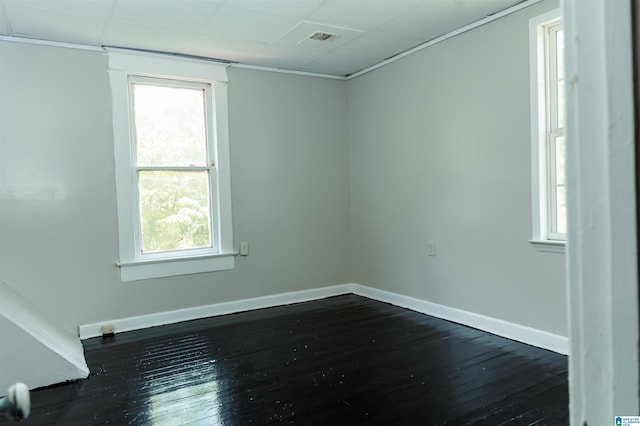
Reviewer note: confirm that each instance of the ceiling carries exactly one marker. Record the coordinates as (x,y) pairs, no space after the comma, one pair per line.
(264,33)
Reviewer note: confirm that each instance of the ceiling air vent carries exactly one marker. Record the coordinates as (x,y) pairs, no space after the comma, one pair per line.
(320,36)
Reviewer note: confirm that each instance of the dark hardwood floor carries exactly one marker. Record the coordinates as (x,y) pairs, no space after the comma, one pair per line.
(344,360)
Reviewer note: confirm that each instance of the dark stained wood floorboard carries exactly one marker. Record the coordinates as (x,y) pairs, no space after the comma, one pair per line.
(344,360)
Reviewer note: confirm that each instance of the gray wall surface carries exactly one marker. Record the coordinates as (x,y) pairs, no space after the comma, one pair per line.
(440,151)
(58,223)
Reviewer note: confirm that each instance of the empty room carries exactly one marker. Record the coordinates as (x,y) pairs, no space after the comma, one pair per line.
(230,212)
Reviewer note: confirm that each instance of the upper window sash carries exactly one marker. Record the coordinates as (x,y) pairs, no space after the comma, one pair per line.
(553,74)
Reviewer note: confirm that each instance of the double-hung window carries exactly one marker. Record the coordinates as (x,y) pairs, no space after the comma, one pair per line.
(547,124)
(172,165)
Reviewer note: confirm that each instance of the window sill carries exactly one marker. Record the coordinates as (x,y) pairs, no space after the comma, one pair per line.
(549,246)
(160,268)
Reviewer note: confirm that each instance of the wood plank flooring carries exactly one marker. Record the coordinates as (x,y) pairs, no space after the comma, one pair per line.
(344,360)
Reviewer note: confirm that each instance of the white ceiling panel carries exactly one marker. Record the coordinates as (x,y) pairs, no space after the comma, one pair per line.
(268,33)
(87,8)
(242,24)
(233,50)
(298,9)
(39,23)
(183,15)
(360,14)
(119,34)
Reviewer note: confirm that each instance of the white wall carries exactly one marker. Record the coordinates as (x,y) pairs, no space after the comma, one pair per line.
(440,150)
(58,224)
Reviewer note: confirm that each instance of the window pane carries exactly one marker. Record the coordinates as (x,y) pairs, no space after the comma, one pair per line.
(560,160)
(560,77)
(559,186)
(561,210)
(561,103)
(560,51)
(170,126)
(174,210)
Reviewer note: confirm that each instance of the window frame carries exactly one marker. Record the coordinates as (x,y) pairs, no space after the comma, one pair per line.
(210,165)
(125,67)
(544,130)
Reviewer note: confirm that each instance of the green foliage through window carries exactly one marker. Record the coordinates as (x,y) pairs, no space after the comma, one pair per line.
(174,208)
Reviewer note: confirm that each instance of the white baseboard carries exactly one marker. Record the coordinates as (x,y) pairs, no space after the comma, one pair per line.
(517,332)
(170,317)
(499,327)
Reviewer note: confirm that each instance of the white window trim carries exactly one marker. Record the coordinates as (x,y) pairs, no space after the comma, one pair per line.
(539,167)
(133,265)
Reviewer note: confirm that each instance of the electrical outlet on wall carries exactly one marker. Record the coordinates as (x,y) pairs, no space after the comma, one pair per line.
(108,330)
(431,248)
(244,249)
